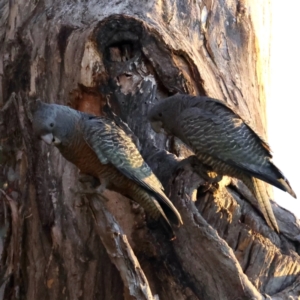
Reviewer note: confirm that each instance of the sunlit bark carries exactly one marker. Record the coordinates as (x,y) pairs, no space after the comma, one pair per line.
(58,245)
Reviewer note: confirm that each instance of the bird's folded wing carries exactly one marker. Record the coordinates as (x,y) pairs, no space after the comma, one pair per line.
(228,139)
(111,142)
(218,105)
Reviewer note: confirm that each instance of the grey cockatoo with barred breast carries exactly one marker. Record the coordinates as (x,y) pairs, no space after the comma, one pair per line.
(223,140)
(98,147)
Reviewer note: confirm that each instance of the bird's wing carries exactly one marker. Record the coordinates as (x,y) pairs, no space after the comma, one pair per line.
(218,105)
(111,143)
(227,137)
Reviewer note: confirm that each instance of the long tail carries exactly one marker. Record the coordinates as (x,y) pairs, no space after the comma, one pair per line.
(272,175)
(287,187)
(164,221)
(152,208)
(258,190)
(168,208)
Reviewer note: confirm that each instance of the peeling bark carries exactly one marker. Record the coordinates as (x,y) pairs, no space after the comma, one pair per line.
(120,251)
(118,58)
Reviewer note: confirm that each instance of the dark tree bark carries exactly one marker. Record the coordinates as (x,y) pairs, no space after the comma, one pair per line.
(119,58)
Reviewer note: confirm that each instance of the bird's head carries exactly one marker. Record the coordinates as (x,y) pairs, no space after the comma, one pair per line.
(163,115)
(51,122)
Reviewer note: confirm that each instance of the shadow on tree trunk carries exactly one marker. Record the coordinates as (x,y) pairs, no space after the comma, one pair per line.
(120,59)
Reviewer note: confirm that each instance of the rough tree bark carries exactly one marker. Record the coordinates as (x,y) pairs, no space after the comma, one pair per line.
(56,245)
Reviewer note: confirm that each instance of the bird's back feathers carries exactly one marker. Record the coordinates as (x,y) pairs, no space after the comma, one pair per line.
(211,127)
(107,139)
(98,147)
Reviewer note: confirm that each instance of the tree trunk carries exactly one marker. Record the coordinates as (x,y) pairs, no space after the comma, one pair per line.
(119,58)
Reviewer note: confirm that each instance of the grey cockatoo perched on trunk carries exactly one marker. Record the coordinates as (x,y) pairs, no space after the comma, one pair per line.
(221,139)
(98,147)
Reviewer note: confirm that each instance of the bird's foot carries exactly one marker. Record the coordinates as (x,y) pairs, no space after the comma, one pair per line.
(203,170)
(92,192)
(88,180)
(90,186)
(207,186)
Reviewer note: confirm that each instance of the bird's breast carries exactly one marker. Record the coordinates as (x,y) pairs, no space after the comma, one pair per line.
(86,160)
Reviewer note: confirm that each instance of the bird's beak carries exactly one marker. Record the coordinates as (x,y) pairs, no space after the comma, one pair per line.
(156,126)
(56,141)
(50,139)
(47,138)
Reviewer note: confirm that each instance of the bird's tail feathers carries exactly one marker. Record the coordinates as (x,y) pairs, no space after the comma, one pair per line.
(165,221)
(265,204)
(258,190)
(282,183)
(276,178)
(286,187)
(169,209)
(168,228)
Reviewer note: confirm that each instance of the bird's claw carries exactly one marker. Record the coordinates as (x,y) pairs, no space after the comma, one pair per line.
(88,179)
(90,186)
(204,171)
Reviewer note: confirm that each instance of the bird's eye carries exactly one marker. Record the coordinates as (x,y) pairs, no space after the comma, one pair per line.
(160,114)
(51,124)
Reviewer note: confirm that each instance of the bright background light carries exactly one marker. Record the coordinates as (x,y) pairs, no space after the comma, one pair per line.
(283,104)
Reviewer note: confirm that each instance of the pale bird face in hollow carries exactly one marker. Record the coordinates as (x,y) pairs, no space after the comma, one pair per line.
(157,126)
(156,119)
(163,116)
